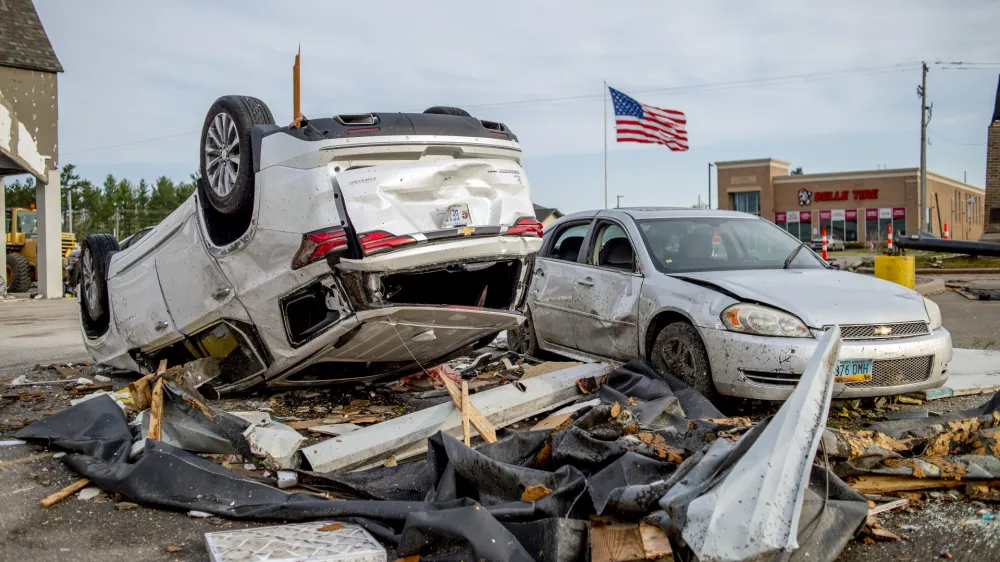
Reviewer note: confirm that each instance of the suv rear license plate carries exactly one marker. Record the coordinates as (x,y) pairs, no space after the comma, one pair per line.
(854,370)
(456,215)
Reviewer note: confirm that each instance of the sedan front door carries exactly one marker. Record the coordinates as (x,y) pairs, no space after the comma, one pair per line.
(607,300)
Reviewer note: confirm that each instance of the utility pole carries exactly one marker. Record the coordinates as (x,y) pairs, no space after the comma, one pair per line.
(116,221)
(69,208)
(710,185)
(925,118)
(618,202)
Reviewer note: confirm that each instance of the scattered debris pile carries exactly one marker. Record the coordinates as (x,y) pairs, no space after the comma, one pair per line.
(630,464)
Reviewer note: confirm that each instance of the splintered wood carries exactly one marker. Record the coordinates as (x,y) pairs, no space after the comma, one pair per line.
(66,492)
(614,541)
(156,412)
(482,425)
(466,409)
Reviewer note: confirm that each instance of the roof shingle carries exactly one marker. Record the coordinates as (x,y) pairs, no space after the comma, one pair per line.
(23,42)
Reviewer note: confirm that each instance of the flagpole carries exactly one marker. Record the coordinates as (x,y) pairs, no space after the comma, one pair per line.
(604,101)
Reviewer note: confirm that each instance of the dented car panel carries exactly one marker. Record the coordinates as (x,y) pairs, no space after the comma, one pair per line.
(891,333)
(178,293)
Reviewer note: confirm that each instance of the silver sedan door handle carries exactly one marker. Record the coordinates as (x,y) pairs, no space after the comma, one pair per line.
(220,294)
(588,281)
(161,325)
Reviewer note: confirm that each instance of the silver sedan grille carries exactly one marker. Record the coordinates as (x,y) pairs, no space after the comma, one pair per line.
(884,331)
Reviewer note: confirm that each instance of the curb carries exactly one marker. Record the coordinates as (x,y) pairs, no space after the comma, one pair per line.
(936,271)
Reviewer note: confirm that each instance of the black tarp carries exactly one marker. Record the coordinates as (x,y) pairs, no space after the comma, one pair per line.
(617,458)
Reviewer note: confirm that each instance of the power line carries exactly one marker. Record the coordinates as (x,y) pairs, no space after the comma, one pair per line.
(154,139)
(720,85)
(944,138)
(711,86)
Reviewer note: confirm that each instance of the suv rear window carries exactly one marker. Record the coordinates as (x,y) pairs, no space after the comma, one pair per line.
(568,242)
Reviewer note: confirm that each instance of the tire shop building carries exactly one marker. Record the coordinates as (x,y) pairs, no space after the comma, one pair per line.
(853,206)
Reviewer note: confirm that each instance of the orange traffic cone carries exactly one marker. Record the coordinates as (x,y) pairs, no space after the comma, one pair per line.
(890,238)
(946,236)
(824,244)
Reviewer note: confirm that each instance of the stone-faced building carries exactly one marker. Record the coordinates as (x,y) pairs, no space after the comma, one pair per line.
(29,133)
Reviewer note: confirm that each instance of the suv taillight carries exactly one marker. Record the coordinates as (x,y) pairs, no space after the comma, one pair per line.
(525,226)
(317,245)
(381,241)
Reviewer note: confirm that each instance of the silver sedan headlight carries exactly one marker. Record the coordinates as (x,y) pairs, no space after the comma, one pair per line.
(933,313)
(763,321)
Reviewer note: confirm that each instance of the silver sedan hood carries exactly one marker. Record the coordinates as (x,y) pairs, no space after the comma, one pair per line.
(820,297)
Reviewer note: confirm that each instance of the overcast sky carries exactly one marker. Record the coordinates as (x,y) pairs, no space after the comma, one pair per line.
(138,71)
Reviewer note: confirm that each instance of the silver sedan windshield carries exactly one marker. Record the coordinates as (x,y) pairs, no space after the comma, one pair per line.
(681,245)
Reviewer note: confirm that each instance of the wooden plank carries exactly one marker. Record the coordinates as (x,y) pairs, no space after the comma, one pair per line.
(156,412)
(878,484)
(655,542)
(66,492)
(897,504)
(551,422)
(140,389)
(611,541)
(481,424)
(466,409)
(500,406)
(532,371)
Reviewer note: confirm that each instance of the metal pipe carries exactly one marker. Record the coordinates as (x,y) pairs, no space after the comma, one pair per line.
(968,247)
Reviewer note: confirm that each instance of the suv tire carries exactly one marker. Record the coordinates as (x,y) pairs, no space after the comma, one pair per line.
(227,160)
(95,257)
(445,110)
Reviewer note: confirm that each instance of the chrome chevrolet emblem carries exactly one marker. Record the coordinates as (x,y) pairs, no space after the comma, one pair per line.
(883,331)
(466,231)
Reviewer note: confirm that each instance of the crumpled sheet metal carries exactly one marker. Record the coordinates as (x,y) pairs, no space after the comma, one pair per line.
(751,508)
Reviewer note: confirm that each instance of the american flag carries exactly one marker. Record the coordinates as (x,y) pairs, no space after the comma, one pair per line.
(638,122)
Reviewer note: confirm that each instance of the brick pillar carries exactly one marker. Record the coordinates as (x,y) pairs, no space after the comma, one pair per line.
(991,231)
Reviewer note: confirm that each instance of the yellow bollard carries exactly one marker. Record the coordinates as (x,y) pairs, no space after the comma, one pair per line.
(898,269)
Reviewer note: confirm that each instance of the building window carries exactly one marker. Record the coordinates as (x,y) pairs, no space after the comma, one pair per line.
(797,223)
(840,224)
(745,202)
(877,223)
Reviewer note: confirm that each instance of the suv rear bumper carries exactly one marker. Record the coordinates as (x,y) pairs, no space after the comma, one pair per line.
(461,249)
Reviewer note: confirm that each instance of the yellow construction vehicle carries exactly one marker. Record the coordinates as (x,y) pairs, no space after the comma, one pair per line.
(22,248)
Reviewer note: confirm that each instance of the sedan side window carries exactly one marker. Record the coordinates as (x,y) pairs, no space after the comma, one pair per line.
(612,248)
(568,242)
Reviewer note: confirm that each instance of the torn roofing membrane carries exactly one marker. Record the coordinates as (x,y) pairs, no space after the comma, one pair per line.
(650,449)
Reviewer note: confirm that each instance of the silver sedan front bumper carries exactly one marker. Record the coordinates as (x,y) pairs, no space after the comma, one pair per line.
(768,368)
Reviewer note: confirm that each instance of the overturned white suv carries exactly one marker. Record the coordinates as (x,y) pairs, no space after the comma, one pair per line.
(349,248)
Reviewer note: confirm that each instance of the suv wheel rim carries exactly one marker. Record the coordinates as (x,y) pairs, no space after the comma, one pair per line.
(89,281)
(222,154)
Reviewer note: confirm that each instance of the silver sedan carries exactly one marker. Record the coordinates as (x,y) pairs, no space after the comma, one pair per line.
(727,301)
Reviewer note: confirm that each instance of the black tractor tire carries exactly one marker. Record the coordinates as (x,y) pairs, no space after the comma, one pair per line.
(678,350)
(523,340)
(445,110)
(95,256)
(229,175)
(19,274)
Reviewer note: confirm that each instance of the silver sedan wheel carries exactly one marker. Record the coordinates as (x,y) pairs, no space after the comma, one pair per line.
(679,356)
(90,282)
(222,154)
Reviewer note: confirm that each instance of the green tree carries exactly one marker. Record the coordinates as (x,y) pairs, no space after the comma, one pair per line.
(796,171)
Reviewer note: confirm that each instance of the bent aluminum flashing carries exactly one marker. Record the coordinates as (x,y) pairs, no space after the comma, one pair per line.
(753,510)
